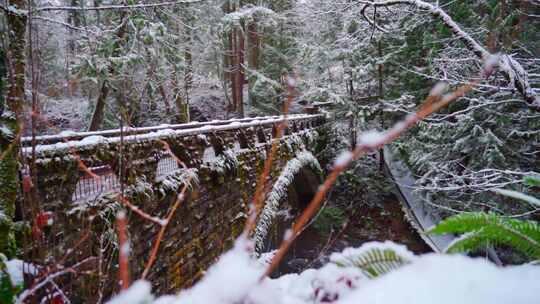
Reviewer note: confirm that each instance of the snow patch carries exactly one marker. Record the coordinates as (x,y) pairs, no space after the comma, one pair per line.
(371,138)
(138,293)
(343,158)
(438,89)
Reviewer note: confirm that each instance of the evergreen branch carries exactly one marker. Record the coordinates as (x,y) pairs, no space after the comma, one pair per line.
(481,229)
(509,67)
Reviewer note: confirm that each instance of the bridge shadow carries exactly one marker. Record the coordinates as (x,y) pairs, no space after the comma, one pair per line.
(299,194)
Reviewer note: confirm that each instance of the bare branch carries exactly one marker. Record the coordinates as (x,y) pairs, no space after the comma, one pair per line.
(509,67)
(25,294)
(113,7)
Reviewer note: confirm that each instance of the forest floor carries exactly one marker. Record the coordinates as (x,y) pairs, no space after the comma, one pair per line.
(207,102)
(360,209)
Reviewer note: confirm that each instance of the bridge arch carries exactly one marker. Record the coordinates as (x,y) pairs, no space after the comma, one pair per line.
(290,194)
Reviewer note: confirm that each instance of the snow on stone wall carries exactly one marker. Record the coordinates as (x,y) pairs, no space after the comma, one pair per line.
(279,192)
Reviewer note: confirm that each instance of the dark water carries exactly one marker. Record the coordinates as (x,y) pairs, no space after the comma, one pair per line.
(364,224)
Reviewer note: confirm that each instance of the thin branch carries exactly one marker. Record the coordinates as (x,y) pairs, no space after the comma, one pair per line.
(123,200)
(25,294)
(155,248)
(258,197)
(432,103)
(123,250)
(71,27)
(113,7)
(179,199)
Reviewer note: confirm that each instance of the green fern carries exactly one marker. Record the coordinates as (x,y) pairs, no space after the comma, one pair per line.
(481,229)
(375,259)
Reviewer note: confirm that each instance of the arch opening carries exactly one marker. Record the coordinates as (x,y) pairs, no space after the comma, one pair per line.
(300,192)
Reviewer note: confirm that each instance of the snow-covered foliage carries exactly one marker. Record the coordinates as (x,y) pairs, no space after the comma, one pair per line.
(374,259)
(427,278)
(12,277)
(264,16)
(279,192)
(225,162)
(181,177)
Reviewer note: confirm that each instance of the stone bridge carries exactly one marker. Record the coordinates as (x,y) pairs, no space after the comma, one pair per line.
(80,175)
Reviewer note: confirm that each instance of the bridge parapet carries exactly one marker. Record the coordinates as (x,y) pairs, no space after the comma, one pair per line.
(65,164)
(226,159)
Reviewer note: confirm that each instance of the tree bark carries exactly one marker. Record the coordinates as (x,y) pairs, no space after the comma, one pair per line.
(188,71)
(10,124)
(236,49)
(254,45)
(240,73)
(380,93)
(234,70)
(97,116)
(163,94)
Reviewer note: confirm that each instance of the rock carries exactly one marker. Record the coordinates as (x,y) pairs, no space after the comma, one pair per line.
(298,264)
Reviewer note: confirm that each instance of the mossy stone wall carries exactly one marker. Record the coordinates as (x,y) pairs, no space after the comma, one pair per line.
(205,225)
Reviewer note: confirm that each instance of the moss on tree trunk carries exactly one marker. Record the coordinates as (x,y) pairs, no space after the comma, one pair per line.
(10,127)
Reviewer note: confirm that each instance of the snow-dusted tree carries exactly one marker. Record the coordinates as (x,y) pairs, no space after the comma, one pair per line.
(485,140)
(259,51)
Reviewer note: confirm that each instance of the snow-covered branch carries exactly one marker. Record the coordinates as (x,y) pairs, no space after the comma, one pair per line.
(113,7)
(508,66)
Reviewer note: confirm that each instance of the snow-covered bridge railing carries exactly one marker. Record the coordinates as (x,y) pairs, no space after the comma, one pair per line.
(78,181)
(61,158)
(71,135)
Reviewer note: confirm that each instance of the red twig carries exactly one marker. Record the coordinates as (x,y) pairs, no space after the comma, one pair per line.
(260,192)
(179,198)
(431,104)
(123,249)
(139,212)
(155,248)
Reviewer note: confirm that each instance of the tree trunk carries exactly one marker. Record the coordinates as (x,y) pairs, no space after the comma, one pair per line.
(97,116)
(254,45)
(228,63)
(380,71)
(235,47)
(241,76)
(10,114)
(188,72)
(181,106)
(234,69)
(161,90)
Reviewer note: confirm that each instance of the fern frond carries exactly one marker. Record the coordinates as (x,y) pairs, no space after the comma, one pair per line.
(482,229)
(468,242)
(463,223)
(374,259)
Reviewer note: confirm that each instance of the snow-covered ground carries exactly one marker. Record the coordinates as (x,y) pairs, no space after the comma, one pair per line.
(426,279)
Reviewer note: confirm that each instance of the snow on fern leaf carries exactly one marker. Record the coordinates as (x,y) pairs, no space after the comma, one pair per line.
(374,258)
